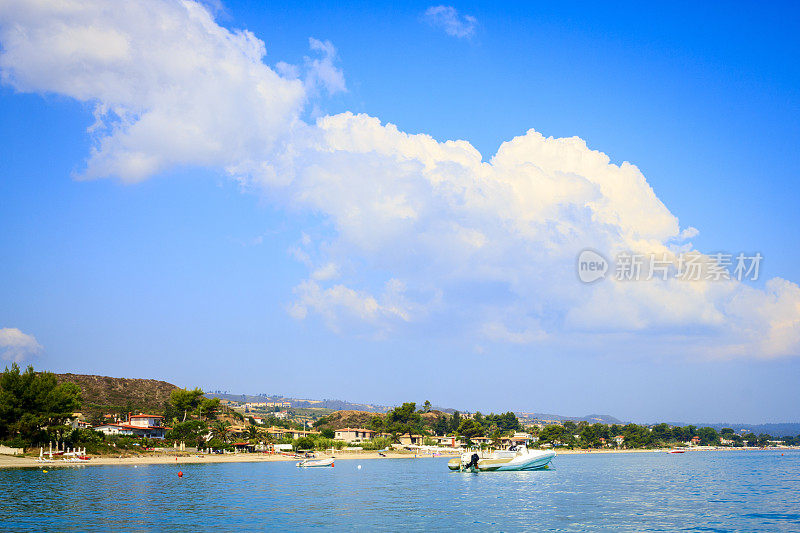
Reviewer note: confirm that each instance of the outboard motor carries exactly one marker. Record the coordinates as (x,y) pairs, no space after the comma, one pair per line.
(469,460)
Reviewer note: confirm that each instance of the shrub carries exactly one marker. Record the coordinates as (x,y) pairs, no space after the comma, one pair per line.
(377,444)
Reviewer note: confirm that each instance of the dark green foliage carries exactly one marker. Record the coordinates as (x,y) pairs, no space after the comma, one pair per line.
(506,422)
(33,405)
(185,401)
(470,428)
(191,432)
(303,443)
(404,419)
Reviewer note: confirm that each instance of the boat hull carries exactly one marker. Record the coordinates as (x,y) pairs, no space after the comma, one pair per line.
(532,460)
(315,463)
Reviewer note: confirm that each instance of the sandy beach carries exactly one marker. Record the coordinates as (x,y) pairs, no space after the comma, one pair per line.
(7,461)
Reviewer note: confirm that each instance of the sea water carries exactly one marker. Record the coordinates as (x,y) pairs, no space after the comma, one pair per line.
(696,491)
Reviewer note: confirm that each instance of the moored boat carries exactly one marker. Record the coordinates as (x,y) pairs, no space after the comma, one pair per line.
(503,460)
(310,463)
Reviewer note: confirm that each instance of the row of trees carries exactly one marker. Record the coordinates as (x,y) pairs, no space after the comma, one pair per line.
(407,419)
(586,435)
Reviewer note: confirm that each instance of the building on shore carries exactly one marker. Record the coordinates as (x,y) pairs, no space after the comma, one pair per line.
(244,447)
(411,440)
(354,434)
(279,433)
(141,425)
(517,439)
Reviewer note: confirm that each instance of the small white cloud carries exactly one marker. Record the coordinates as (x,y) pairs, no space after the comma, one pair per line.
(340,304)
(448,19)
(689,233)
(497,331)
(287,70)
(321,71)
(17,346)
(326,272)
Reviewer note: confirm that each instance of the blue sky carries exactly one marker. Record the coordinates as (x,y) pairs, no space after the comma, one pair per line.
(249,281)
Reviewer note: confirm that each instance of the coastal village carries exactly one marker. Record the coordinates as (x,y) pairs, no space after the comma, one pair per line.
(187,421)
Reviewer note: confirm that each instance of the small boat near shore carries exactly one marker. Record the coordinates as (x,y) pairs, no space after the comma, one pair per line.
(676,450)
(311,463)
(503,461)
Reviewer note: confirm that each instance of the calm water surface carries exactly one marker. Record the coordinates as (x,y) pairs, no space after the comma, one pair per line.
(696,491)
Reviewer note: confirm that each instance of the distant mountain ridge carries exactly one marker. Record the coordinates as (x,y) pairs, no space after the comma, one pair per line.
(343,405)
(336,405)
(779,429)
(592,418)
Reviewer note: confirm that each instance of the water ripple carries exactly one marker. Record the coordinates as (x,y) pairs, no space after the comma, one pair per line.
(703,492)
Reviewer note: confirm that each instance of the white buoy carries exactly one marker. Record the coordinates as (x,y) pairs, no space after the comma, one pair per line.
(359,467)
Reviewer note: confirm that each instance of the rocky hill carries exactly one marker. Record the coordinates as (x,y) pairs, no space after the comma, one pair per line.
(104,393)
(347,419)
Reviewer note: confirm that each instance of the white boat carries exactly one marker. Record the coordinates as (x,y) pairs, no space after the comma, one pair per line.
(503,460)
(309,463)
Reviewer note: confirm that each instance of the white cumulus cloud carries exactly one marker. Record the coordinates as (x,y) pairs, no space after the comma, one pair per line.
(170,86)
(17,346)
(412,230)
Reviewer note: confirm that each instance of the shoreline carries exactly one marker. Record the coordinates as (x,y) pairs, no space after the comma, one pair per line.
(12,462)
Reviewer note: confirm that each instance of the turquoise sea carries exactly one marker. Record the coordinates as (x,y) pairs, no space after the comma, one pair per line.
(696,491)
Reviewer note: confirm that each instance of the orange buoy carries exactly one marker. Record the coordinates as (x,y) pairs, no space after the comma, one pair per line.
(180,474)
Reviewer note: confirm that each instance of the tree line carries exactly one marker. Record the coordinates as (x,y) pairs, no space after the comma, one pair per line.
(35,409)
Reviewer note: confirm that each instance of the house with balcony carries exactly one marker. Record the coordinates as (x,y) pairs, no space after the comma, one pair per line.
(517,439)
(449,441)
(411,440)
(349,435)
(278,433)
(141,425)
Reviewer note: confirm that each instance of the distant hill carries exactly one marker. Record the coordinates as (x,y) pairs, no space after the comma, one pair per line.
(592,419)
(336,405)
(343,405)
(783,429)
(347,419)
(103,393)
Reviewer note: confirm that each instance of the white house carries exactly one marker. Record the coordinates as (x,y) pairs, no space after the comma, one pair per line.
(150,426)
(114,429)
